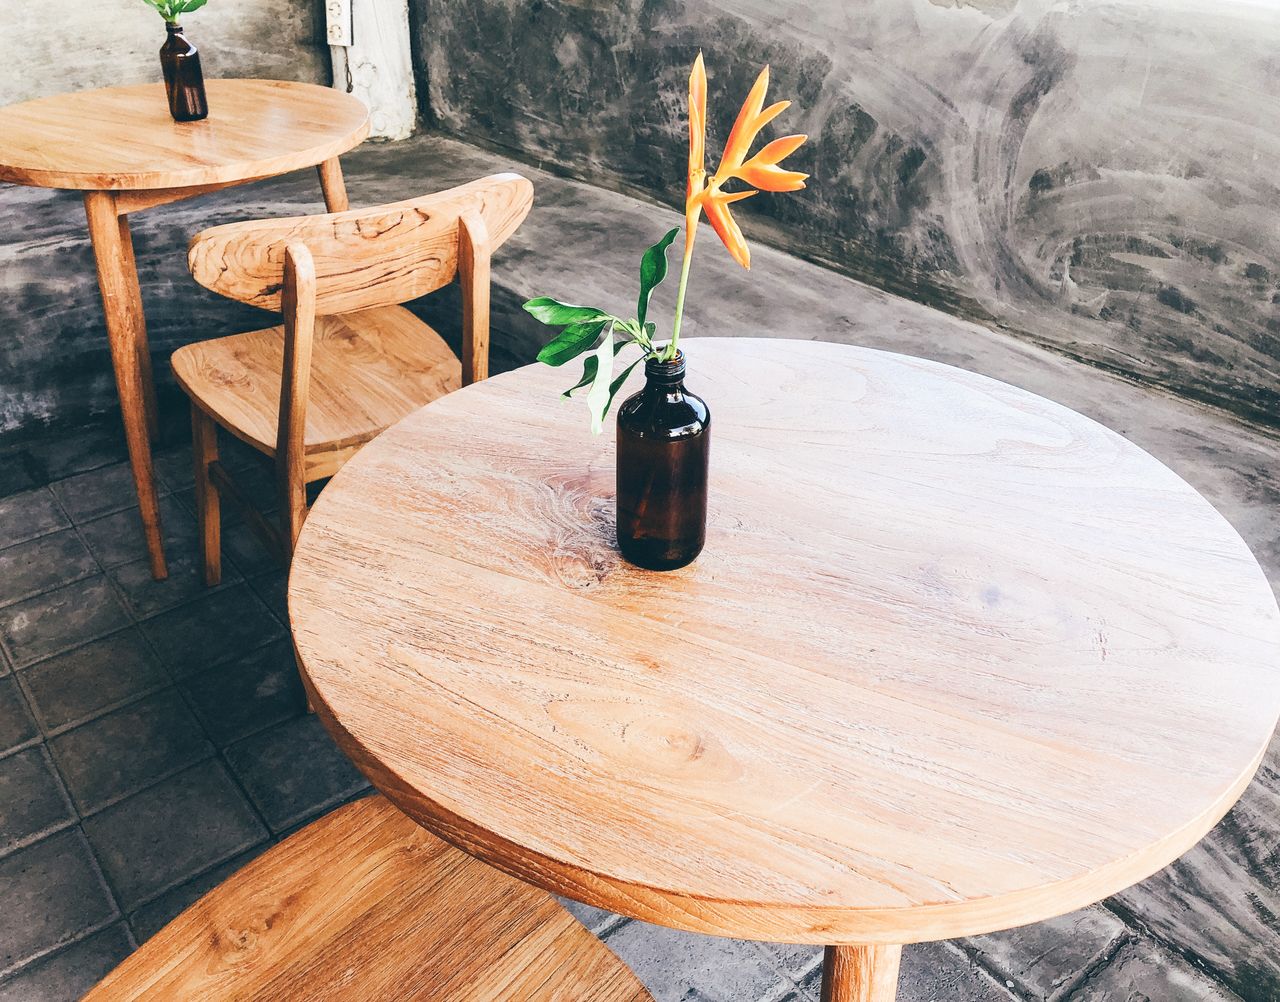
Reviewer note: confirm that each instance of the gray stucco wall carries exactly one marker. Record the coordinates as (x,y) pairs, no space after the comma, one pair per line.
(98,43)
(1098,176)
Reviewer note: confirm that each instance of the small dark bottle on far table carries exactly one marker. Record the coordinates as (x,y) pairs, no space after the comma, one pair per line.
(664,438)
(183,79)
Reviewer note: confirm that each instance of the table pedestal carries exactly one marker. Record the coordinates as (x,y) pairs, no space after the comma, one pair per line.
(860,973)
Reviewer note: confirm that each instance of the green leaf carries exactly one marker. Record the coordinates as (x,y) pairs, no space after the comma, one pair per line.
(556,314)
(616,385)
(598,397)
(571,342)
(589,366)
(653,269)
(191,5)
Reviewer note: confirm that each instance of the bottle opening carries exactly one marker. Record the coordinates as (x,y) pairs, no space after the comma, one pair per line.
(667,373)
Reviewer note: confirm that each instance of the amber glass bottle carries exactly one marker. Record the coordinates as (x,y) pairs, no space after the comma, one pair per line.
(664,437)
(183,79)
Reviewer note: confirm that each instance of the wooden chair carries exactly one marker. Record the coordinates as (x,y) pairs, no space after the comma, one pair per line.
(364,904)
(349,360)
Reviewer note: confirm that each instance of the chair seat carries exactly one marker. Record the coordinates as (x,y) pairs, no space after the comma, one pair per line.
(368,370)
(364,904)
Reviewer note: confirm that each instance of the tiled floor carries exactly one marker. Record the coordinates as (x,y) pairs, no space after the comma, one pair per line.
(153,736)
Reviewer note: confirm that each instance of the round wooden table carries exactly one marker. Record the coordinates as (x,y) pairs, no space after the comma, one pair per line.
(955,658)
(120,146)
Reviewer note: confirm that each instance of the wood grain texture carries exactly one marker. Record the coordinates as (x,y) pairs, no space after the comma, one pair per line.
(363,904)
(368,370)
(861,973)
(955,658)
(364,257)
(124,138)
(127,339)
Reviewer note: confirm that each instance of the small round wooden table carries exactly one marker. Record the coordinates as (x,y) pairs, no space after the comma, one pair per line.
(954,659)
(122,149)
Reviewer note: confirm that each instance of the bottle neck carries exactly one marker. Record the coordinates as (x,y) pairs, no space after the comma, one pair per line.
(665,376)
(173,27)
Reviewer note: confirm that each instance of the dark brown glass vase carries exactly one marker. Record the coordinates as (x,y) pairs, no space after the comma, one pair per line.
(664,437)
(183,79)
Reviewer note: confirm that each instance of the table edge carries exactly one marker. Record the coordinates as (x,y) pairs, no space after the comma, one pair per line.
(61,180)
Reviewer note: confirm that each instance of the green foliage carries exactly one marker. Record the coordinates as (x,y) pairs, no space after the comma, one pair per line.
(586,329)
(171,9)
(653,269)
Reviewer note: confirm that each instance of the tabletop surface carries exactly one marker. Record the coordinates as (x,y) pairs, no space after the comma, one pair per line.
(955,658)
(124,138)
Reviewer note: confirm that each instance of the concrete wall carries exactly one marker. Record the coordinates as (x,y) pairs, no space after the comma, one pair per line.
(97,43)
(1097,175)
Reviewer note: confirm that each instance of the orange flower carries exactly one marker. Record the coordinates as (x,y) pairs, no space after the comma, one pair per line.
(762,172)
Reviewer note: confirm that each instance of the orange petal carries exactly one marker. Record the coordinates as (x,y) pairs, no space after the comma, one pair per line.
(778,150)
(768,177)
(726,227)
(697,116)
(745,129)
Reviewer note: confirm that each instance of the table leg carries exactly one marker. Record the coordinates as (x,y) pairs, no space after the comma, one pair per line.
(334,188)
(140,331)
(121,303)
(860,973)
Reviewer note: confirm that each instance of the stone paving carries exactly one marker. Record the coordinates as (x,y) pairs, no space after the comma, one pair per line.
(153,737)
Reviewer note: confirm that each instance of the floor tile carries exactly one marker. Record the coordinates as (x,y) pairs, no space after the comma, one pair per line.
(29,514)
(174,467)
(61,619)
(117,538)
(146,596)
(87,496)
(72,971)
(939,972)
(66,453)
(52,894)
(16,474)
(293,771)
(32,801)
(43,563)
(249,694)
(16,724)
(216,627)
(155,915)
(273,589)
(127,749)
(1041,959)
(669,961)
(1143,971)
(69,688)
(167,834)
(244,549)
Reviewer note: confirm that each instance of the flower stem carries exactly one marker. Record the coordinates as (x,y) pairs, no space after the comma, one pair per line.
(691,229)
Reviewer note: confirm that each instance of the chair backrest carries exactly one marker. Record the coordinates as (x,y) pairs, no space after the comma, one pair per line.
(364,257)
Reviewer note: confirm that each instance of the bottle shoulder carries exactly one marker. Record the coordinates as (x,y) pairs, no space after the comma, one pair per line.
(652,413)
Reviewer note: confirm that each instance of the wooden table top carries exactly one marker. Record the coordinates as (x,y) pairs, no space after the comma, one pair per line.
(123,137)
(955,658)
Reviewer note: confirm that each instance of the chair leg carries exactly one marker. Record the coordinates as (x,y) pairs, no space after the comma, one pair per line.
(204,447)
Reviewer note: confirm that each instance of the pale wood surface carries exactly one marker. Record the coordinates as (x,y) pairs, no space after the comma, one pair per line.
(124,138)
(861,973)
(130,357)
(364,904)
(364,257)
(955,658)
(368,370)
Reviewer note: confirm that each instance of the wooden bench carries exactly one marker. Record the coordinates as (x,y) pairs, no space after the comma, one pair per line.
(364,904)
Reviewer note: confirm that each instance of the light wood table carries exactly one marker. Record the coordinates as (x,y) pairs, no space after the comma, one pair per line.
(955,658)
(122,149)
